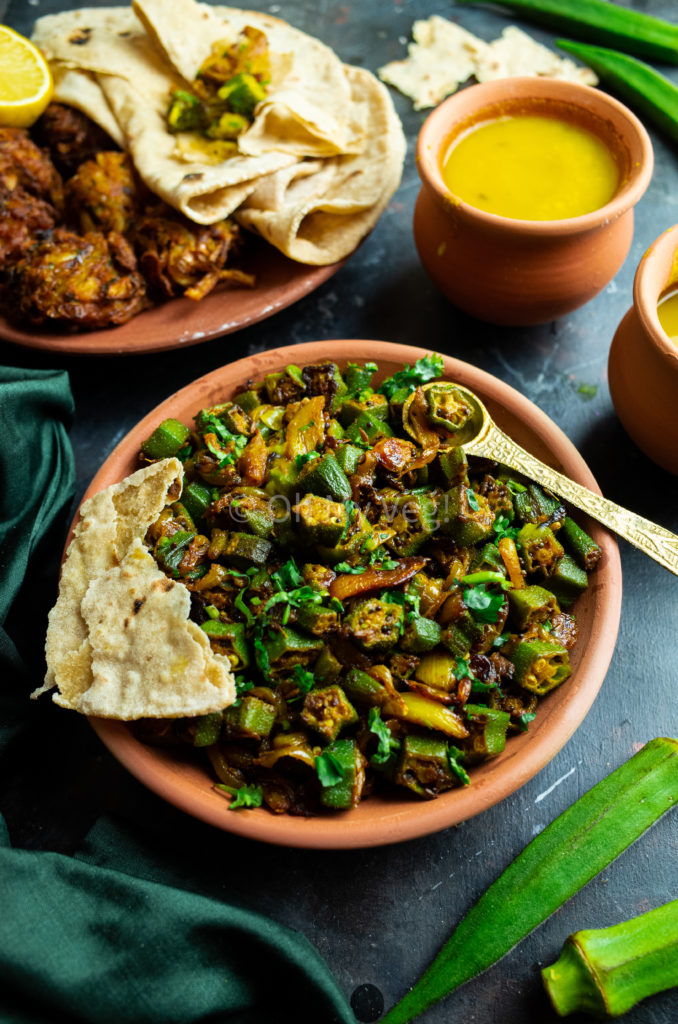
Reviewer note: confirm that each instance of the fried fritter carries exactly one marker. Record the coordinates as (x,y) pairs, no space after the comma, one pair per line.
(179,257)
(23,221)
(102,194)
(70,280)
(25,164)
(70,136)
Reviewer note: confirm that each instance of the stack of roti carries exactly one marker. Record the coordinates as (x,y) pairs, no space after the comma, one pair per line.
(120,643)
(313,172)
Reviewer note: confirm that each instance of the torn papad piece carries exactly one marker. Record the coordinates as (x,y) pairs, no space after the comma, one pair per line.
(89,675)
(442,56)
(517,53)
(149,660)
(318,211)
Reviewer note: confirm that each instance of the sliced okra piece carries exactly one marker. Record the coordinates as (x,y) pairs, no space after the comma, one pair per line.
(348,457)
(375,625)
(424,766)
(369,424)
(531,605)
(578,543)
(365,689)
(414,521)
(321,521)
(229,639)
(328,667)
(352,408)
(420,635)
(318,620)
(568,581)
(540,665)
(325,379)
(207,729)
(539,549)
(196,498)
(465,516)
(166,439)
(345,793)
(454,464)
(249,400)
(328,710)
(325,477)
(488,727)
(244,550)
(358,377)
(286,648)
(251,719)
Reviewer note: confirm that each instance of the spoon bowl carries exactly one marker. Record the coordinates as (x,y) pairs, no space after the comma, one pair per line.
(477,433)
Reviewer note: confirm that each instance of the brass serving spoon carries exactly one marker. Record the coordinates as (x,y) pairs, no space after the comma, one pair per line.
(478,434)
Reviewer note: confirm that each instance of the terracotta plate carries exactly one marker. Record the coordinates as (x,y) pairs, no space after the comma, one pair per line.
(381,820)
(182,322)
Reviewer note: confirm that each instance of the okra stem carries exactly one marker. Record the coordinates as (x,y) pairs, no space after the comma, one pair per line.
(606,971)
(640,85)
(604,22)
(552,868)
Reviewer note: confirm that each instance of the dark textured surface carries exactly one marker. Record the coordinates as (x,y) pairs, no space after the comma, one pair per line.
(378,916)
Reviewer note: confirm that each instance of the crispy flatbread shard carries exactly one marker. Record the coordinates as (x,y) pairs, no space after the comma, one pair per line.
(148,659)
(442,56)
(517,53)
(313,115)
(111,528)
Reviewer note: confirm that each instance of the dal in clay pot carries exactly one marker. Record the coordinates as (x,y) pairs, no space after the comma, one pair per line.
(521,272)
(643,362)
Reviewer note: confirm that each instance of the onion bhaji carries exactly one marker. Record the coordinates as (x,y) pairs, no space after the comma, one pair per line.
(24,164)
(67,252)
(179,257)
(102,194)
(83,281)
(70,136)
(24,219)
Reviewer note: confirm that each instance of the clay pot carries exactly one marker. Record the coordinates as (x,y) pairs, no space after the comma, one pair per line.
(520,272)
(643,362)
(388,818)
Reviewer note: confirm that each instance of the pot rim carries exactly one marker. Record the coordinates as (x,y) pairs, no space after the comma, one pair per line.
(662,255)
(438,127)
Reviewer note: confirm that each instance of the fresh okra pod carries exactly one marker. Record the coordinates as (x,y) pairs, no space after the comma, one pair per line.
(606,971)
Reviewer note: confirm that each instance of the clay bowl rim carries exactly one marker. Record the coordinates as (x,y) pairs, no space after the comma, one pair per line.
(380,821)
(662,255)
(440,124)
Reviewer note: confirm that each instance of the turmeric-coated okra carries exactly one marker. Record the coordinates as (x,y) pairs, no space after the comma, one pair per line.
(391,610)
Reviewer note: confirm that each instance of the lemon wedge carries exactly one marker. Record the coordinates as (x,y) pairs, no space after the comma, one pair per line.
(26,85)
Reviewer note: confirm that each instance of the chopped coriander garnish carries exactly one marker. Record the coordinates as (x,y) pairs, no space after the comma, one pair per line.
(425,369)
(483,604)
(245,796)
(329,769)
(387,742)
(303,678)
(502,528)
(454,756)
(472,499)
(354,570)
(525,719)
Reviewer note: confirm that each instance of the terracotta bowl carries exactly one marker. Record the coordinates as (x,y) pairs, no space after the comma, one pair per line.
(643,362)
(381,820)
(521,272)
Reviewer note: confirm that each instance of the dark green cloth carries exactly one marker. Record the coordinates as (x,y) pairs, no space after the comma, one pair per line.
(80,941)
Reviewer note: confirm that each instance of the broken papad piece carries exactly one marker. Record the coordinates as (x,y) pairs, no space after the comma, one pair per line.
(148,659)
(112,525)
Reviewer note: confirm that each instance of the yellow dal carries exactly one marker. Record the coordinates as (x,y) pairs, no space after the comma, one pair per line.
(531,168)
(667,311)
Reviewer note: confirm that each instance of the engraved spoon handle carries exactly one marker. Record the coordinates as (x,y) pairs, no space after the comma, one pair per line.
(652,539)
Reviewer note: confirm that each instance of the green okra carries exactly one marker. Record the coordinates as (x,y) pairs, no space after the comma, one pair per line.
(645,89)
(571,851)
(604,22)
(606,971)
